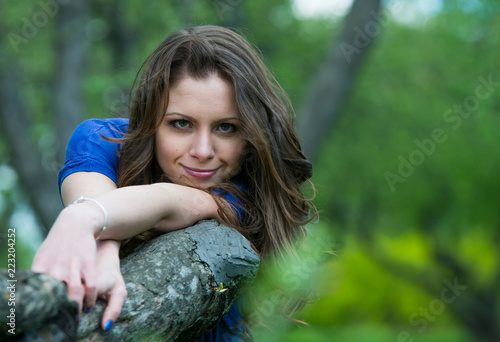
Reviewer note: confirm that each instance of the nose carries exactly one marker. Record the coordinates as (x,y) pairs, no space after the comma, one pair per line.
(202,146)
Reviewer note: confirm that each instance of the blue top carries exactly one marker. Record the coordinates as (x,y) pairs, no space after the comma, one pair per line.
(87,151)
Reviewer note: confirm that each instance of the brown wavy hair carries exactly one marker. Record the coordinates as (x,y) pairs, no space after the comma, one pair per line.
(274,167)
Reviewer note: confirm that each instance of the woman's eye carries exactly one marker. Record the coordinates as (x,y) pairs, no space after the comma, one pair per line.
(227,128)
(181,124)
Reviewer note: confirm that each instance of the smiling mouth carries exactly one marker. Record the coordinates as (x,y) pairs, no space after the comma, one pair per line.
(200,173)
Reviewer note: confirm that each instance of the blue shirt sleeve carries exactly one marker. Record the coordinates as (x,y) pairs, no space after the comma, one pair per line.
(235,202)
(88,151)
(229,328)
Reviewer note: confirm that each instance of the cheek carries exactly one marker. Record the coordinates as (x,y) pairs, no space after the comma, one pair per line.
(165,150)
(165,153)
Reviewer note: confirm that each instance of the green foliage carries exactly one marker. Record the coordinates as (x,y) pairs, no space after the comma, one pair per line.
(286,283)
(443,199)
(402,96)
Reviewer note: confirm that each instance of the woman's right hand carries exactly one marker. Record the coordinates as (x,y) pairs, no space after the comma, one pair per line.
(69,253)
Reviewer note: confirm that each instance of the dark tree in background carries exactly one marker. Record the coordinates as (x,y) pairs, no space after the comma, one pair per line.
(334,79)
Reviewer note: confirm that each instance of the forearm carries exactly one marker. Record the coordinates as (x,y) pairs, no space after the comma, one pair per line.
(107,260)
(135,209)
(107,250)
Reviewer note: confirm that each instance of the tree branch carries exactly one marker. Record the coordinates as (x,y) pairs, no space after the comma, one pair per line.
(171,283)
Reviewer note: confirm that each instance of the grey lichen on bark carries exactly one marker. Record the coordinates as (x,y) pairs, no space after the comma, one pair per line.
(171,283)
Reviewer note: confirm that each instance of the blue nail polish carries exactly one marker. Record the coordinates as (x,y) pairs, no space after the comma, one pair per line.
(87,310)
(108,325)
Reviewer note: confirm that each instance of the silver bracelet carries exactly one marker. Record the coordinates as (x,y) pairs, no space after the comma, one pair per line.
(81,199)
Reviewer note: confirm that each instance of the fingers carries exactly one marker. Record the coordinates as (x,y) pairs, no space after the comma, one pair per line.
(116,297)
(69,256)
(37,266)
(69,275)
(75,288)
(80,286)
(90,288)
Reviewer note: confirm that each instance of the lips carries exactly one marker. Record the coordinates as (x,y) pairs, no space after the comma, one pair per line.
(200,173)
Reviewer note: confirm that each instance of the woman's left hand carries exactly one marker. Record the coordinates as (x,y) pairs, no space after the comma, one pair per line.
(110,283)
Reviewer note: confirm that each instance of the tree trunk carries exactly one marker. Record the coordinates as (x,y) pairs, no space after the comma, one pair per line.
(334,79)
(172,283)
(38,173)
(38,182)
(71,52)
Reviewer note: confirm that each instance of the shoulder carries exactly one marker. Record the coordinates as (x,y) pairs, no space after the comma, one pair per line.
(89,151)
(106,127)
(90,137)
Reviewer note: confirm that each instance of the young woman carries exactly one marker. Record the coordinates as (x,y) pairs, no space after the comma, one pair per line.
(210,135)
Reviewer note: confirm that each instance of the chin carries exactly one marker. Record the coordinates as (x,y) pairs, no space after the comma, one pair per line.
(203,184)
(206,185)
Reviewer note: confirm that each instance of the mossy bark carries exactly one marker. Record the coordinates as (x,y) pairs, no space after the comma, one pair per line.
(171,283)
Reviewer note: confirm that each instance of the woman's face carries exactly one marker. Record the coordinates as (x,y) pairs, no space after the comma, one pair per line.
(199,141)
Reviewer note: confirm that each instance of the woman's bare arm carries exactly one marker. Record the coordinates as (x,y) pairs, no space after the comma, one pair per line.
(135,209)
(70,252)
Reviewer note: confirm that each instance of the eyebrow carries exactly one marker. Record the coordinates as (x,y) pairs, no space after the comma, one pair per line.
(230,118)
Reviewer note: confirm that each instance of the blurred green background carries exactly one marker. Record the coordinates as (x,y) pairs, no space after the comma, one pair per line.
(406,178)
